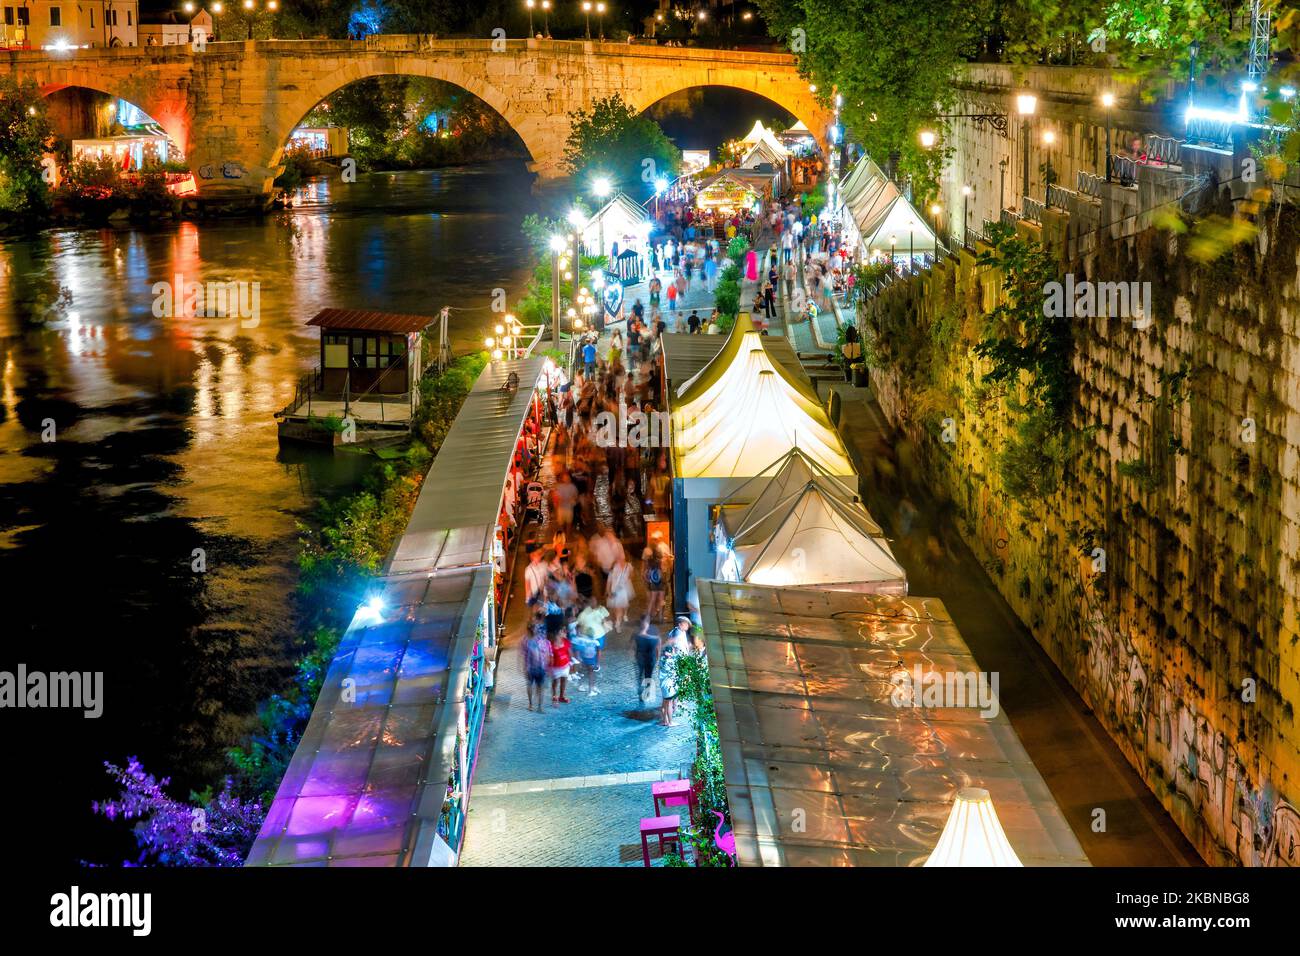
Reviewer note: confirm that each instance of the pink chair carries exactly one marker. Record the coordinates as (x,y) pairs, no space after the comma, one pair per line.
(674,793)
(667,829)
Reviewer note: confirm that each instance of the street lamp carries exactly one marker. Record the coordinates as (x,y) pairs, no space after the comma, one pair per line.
(927,139)
(1026,103)
(530,4)
(965,211)
(661,186)
(893,241)
(1108,101)
(601,186)
(1049,138)
(600,16)
(557,247)
(935,209)
(586,12)
(546,18)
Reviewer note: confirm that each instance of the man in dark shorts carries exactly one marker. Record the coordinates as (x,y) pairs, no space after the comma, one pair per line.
(693,322)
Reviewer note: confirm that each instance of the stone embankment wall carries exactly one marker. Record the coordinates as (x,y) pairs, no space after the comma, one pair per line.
(1161,574)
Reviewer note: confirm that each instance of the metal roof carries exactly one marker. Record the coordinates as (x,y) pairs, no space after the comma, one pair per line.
(366,321)
(367,782)
(822,768)
(455,516)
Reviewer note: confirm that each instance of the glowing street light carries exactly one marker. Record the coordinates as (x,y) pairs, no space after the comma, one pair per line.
(1026,103)
(530,4)
(1108,101)
(546,18)
(927,138)
(586,12)
(600,16)
(601,187)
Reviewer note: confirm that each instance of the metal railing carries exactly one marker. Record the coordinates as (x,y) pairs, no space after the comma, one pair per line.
(1009,218)
(1088,184)
(1123,170)
(1031,209)
(1058,196)
(1164,149)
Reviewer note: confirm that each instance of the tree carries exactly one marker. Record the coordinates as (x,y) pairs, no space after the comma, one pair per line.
(25,137)
(893,65)
(613,140)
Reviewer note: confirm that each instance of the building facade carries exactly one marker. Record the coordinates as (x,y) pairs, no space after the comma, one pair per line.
(68,24)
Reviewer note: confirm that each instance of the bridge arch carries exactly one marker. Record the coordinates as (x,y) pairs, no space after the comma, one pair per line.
(290,111)
(794,97)
(167,107)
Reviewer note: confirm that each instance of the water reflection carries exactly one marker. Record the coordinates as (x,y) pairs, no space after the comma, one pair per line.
(165,442)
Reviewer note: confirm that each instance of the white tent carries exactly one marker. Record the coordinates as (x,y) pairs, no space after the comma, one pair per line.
(620,222)
(760,153)
(882,213)
(781,483)
(743,411)
(761,134)
(819,541)
(973,836)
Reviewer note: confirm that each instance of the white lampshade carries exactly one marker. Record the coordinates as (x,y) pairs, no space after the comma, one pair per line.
(973,836)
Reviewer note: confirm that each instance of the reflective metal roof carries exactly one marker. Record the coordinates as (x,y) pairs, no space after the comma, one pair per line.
(822,769)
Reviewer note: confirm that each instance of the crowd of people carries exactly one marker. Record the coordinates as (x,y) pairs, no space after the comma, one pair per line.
(582,583)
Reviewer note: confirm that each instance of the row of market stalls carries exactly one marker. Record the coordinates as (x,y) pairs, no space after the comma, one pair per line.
(383,773)
(765,487)
(833,752)
(877,220)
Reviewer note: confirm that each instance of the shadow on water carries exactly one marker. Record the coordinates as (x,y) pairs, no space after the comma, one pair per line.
(164,444)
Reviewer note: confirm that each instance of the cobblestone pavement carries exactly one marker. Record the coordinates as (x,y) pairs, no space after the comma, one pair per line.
(588,826)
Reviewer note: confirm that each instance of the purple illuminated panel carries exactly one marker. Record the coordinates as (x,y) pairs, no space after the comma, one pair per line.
(372,767)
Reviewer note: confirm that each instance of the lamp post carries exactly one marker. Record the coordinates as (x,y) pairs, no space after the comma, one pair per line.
(557,247)
(546,18)
(1049,139)
(600,18)
(1108,101)
(530,4)
(893,241)
(577,220)
(586,13)
(1026,103)
(935,210)
(965,212)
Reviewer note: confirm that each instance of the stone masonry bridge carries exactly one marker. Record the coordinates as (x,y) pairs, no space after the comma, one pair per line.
(232,106)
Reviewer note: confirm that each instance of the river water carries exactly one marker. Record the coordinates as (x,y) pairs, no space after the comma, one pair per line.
(164,442)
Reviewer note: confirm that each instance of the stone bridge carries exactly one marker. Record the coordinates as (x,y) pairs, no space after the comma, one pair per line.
(232,106)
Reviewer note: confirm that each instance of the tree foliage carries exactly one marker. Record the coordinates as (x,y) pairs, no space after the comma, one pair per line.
(612,140)
(25,137)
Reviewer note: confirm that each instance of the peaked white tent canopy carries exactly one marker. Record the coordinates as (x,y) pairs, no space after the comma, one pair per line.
(619,222)
(884,212)
(818,542)
(973,836)
(760,153)
(864,177)
(761,134)
(743,411)
(778,485)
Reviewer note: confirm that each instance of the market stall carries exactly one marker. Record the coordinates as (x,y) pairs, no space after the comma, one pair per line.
(619,226)
(725,194)
(382,775)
